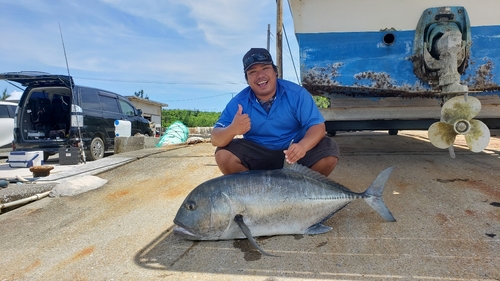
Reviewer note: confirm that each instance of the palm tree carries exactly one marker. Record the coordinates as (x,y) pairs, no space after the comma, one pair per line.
(4,95)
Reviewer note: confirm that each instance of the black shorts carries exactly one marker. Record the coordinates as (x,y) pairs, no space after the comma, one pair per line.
(257,157)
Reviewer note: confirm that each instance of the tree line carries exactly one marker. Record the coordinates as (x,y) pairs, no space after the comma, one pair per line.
(190,118)
(196,118)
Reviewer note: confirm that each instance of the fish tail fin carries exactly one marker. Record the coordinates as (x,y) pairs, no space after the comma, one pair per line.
(373,195)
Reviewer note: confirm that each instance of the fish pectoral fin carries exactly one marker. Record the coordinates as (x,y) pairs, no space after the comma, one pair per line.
(317,229)
(244,228)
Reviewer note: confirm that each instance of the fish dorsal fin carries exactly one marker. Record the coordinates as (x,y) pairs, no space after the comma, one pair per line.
(303,170)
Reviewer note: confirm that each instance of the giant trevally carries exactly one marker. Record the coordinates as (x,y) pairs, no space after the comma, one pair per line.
(292,200)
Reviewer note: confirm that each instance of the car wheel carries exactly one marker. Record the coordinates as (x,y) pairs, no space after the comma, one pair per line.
(393,132)
(45,156)
(96,150)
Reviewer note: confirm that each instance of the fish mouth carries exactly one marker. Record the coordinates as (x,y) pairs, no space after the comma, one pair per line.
(183,232)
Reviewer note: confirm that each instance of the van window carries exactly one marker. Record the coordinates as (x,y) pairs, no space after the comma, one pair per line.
(12,110)
(90,99)
(127,108)
(109,104)
(39,95)
(4,111)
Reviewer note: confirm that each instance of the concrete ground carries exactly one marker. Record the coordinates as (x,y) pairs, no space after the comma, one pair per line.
(63,180)
(447,211)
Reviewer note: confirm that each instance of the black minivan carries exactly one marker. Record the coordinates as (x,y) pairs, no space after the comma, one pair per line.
(54,113)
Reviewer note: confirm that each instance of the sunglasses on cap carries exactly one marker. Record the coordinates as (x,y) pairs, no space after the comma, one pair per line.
(257,58)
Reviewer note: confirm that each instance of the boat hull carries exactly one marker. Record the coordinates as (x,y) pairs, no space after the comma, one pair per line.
(367,58)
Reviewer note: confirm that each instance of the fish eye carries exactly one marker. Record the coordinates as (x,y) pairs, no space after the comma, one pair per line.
(190,205)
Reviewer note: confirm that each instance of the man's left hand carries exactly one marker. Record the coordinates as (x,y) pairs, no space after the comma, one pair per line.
(294,153)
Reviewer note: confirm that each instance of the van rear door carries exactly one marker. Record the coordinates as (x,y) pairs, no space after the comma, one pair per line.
(37,79)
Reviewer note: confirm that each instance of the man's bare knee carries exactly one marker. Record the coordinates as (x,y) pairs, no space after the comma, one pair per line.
(325,165)
(228,163)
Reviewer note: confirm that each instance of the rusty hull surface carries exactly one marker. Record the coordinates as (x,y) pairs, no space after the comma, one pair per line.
(323,81)
(447,211)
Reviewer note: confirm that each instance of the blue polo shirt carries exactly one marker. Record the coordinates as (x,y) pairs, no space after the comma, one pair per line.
(292,114)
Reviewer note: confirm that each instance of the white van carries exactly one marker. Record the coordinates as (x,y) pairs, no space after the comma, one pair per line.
(7,111)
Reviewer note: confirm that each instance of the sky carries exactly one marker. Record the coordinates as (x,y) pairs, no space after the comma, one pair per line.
(185,53)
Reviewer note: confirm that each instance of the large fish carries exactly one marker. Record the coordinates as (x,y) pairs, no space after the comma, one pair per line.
(292,200)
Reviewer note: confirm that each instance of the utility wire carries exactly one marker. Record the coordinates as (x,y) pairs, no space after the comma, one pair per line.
(288,44)
(289,55)
(200,98)
(161,82)
(290,51)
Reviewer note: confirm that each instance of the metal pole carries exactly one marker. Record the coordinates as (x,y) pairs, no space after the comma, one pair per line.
(279,38)
(268,37)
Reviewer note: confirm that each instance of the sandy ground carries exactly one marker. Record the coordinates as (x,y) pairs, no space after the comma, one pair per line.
(447,211)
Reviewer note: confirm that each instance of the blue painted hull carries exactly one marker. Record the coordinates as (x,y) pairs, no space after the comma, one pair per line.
(360,59)
(389,64)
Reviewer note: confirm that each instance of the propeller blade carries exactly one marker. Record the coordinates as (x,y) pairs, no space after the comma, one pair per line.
(458,108)
(478,137)
(441,135)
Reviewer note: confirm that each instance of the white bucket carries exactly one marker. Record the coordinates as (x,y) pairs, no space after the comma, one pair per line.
(123,128)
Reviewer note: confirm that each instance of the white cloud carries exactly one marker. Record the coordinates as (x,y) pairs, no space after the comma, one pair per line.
(155,40)
(14,96)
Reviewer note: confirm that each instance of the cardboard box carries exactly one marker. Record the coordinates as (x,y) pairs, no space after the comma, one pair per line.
(69,156)
(25,159)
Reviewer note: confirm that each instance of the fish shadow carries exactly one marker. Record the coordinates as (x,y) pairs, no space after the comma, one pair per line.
(295,253)
(167,250)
